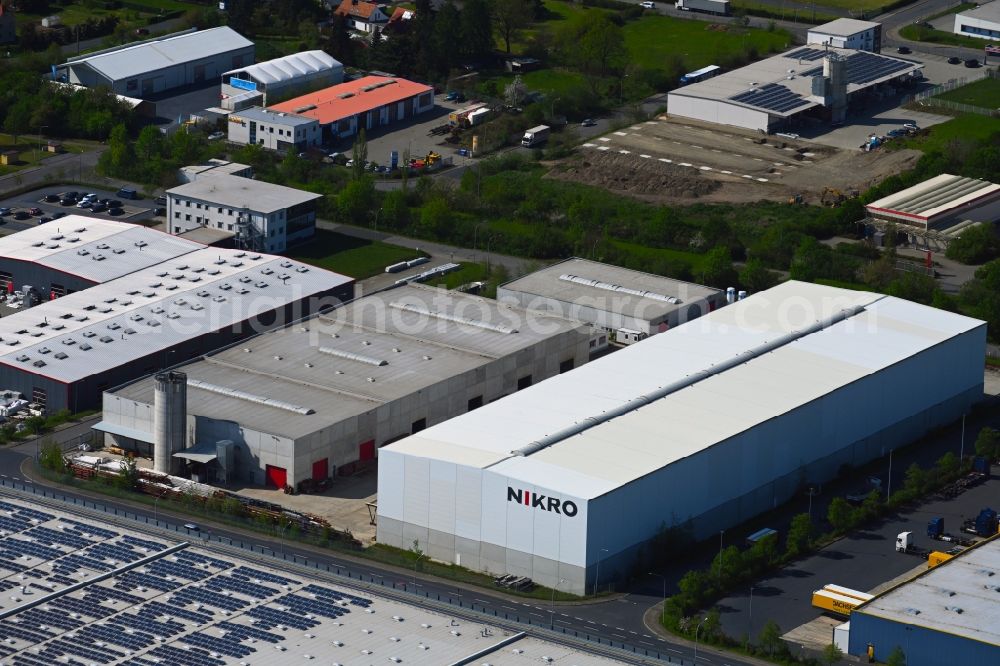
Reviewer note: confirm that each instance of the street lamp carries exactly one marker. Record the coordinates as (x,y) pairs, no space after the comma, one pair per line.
(488,243)
(552,604)
(40,128)
(597,575)
(375,225)
(663,610)
(697,629)
(475,237)
(750,617)
(721,532)
(415,563)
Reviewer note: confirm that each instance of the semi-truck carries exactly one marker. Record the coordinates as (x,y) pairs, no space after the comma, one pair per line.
(535,136)
(720,7)
(839,600)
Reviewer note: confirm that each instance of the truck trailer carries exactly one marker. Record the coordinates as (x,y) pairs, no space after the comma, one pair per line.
(838,604)
(718,7)
(535,136)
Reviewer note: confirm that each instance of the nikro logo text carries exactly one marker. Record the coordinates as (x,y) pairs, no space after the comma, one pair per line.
(536,501)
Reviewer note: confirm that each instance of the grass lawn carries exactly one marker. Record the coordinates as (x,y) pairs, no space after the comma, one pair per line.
(779,12)
(471,272)
(653,39)
(919,33)
(968,127)
(348,255)
(961,7)
(30,154)
(984,92)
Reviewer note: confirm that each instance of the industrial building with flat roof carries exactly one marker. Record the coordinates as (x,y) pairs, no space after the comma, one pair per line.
(982,21)
(284,77)
(946,615)
(263,217)
(344,384)
(624,303)
(163,63)
(848,33)
(64,353)
(714,421)
(274,130)
(76,252)
(366,103)
(767,95)
(940,203)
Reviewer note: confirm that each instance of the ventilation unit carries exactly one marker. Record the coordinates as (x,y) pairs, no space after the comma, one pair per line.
(419,309)
(351,356)
(607,286)
(250,397)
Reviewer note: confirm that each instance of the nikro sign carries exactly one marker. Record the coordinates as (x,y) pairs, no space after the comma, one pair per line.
(535,501)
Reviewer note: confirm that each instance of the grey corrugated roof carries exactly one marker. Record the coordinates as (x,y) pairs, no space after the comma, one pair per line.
(308,364)
(72,244)
(263,115)
(153,55)
(239,192)
(162,306)
(289,67)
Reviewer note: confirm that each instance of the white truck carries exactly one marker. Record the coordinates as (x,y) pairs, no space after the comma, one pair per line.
(720,7)
(535,136)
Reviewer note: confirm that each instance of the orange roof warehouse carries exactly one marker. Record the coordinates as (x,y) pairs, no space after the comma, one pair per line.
(369,102)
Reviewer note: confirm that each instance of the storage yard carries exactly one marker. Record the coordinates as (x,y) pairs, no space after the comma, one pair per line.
(81,592)
(548,497)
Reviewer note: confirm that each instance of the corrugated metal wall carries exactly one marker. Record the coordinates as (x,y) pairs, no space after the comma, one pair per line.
(922,646)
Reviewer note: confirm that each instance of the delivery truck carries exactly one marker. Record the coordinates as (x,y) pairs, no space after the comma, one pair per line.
(719,7)
(535,136)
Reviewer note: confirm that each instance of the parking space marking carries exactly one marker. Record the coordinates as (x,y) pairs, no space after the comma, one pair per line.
(650,122)
(668,161)
(716,150)
(746,175)
(621,134)
(726,172)
(604,138)
(645,157)
(625,152)
(683,164)
(589,145)
(697,147)
(636,127)
(705,168)
(762,180)
(603,148)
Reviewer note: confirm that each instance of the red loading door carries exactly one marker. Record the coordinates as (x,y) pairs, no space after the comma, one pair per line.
(276,476)
(320,469)
(367,450)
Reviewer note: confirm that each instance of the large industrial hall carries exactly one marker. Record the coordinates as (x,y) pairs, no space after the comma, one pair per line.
(65,352)
(820,81)
(783,386)
(318,398)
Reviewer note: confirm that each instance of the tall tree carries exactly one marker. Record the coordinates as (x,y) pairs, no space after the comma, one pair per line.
(477,29)
(338,43)
(511,17)
(447,30)
(18,120)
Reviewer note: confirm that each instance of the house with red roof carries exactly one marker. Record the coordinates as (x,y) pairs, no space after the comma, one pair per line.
(369,102)
(362,16)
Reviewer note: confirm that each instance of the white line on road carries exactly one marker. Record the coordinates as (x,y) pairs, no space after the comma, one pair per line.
(683,164)
(729,172)
(603,148)
(621,133)
(604,138)
(625,152)
(645,157)
(705,168)
(589,145)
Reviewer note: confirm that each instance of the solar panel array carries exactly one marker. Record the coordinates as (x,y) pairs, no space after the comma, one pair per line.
(186,608)
(807,54)
(772,97)
(864,67)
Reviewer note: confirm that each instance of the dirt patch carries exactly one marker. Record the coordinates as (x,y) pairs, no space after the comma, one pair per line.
(636,176)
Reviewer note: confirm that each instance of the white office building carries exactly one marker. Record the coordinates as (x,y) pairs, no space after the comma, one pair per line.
(982,22)
(846,33)
(274,130)
(262,217)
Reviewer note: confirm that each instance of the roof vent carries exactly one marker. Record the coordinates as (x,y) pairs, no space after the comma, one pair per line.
(62,356)
(89,334)
(106,339)
(419,309)
(243,395)
(85,347)
(23,359)
(954,609)
(39,363)
(351,356)
(44,350)
(103,246)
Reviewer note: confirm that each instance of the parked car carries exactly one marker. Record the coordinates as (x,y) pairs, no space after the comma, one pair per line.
(215,136)
(454,96)
(98,208)
(954,60)
(159,212)
(44,219)
(21,215)
(116,211)
(904,50)
(36,211)
(191,526)
(115,203)
(67,201)
(58,214)
(84,203)
(159,201)
(589,122)
(647,5)
(896,133)
(5,211)
(52,198)
(128,193)
(972,63)
(72,194)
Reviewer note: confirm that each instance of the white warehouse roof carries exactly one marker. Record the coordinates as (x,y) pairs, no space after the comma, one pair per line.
(957,597)
(73,244)
(155,54)
(289,67)
(844,27)
(760,357)
(243,193)
(936,197)
(103,327)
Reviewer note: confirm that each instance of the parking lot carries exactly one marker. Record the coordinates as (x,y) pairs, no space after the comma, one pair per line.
(133,210)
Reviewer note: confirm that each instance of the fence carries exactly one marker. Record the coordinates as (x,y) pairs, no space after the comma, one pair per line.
(366,580)
(928,98)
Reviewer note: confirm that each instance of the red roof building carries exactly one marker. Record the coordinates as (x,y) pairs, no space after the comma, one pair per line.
(362,16)
(369,102)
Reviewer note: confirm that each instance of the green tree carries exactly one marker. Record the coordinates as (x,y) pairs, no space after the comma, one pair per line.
(755,277)
(594,44)
(356,200)
(916,480)
(988,443)
(447,27)
(359,155)
(477,29)
(18,120)
(831,654)
(896,657)
(840,514)
(711,630)
(980,297)
(51,457)
(717,268)
(149,144)
(800,533)
(975,245)
(947,466)
(511,17)
(128,475)
(770,638)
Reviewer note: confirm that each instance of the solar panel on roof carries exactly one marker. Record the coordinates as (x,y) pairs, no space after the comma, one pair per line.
(865,67)
(807,54)
(773,97)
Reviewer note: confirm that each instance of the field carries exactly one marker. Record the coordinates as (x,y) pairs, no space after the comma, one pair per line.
(30,153)
(348,255)
(919,33)
(652,40)
(984,93)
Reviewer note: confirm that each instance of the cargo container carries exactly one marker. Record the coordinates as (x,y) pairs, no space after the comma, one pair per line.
(837,604)
(535,136)
(848,592)
(720,7)
(936,558)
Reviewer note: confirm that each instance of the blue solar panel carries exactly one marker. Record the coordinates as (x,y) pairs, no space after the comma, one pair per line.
(864,67)
(772,97)
(807,54)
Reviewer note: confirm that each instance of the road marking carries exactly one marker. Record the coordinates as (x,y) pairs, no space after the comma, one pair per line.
(664,159)
(736,155)
(591,622)
(716,150)
(726,172)
(746,175)
(673,650)
(625,152)
(536,615)
(589,145)
(757,159)
(509,608)
(705,168)
(683,164)
(697,147)
(619,635)
(604,138)
(676,143)
(621,134)
(645,157)
(645,643)
(636,127)
(650,122)
(762,180)
(603,148)
(485,603)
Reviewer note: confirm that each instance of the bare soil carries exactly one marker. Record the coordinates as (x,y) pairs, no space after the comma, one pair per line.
(669,161)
